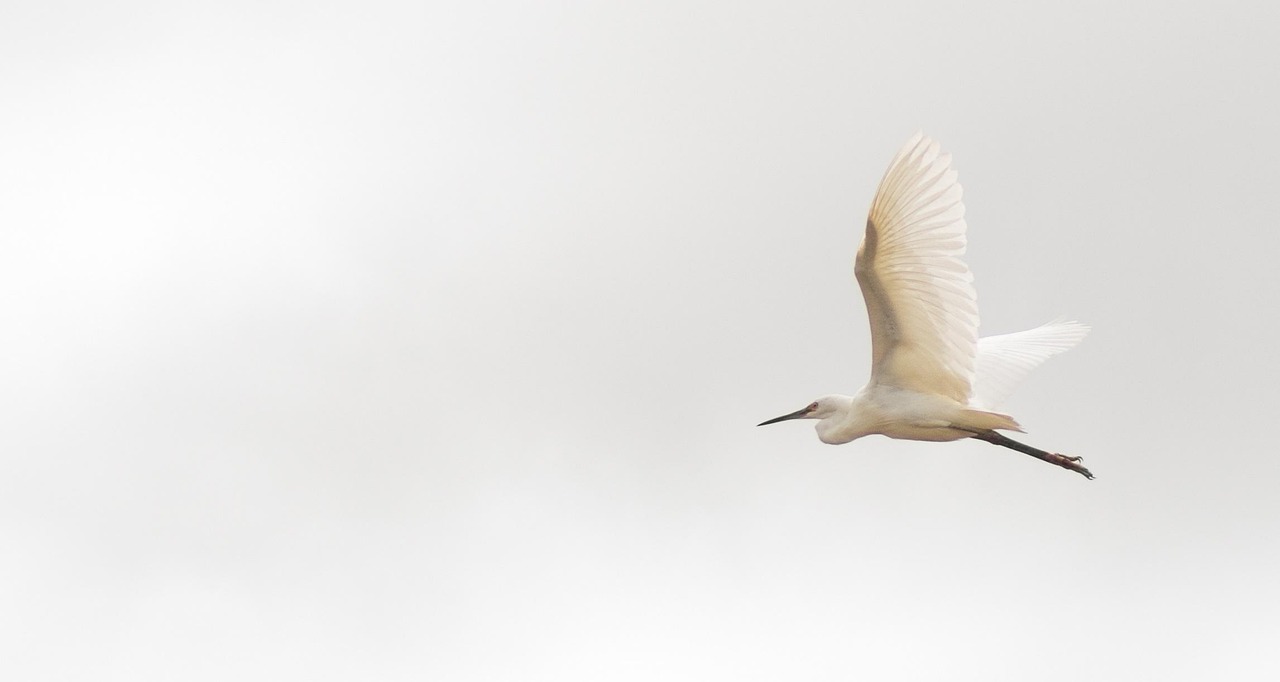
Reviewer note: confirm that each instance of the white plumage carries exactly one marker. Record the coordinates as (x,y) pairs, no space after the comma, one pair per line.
(932,378)
(1005,360)
(919,293)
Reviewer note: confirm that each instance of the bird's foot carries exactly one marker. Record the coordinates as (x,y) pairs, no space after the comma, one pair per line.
(1072,463)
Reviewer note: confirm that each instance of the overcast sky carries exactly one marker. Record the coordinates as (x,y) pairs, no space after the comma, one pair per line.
(405,341)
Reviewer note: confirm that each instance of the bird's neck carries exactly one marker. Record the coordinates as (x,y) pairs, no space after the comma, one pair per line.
(843,426)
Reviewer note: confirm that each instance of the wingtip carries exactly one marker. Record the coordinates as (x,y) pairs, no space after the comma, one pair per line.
(1072,329)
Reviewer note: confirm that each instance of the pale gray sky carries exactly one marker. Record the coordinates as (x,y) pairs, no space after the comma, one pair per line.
(403,341)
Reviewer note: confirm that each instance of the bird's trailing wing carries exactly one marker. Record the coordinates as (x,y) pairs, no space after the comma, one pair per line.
(918,290)
(1003,361)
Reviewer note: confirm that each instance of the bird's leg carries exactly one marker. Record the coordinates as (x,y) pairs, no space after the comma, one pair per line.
(1072,463)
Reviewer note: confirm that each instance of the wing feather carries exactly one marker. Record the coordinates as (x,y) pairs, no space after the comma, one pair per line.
(1004,360)
(919,292)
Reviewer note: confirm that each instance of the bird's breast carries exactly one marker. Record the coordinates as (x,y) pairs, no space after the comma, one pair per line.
(909,415)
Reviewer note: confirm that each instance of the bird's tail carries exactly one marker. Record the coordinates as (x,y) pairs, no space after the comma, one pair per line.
(979,420)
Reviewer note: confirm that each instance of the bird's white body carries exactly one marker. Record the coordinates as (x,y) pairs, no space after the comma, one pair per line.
(893,412)
(903,413)
(932,378)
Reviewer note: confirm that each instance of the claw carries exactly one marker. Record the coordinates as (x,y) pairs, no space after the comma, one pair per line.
(1077,468)
(1073,463)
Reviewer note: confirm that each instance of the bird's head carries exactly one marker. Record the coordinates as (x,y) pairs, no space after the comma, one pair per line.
(821,408)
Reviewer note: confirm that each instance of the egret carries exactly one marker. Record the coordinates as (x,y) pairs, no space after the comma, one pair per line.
(932,378)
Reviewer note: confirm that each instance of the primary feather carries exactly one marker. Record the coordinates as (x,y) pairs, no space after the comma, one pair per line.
(1003,361)
(920,297)
(919,292)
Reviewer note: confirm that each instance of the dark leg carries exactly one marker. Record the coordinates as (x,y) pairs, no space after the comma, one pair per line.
(1072,463)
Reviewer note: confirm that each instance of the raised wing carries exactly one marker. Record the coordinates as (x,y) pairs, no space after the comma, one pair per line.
(1005,360)
(919,293)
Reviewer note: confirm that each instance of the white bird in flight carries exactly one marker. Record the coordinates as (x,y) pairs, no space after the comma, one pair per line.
(932,378)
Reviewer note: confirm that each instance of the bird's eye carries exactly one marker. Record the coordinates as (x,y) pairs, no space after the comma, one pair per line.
(813,406)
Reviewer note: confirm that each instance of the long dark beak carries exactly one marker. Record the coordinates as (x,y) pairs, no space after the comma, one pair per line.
(794,415)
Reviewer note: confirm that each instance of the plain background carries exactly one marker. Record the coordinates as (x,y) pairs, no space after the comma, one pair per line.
(403,341)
